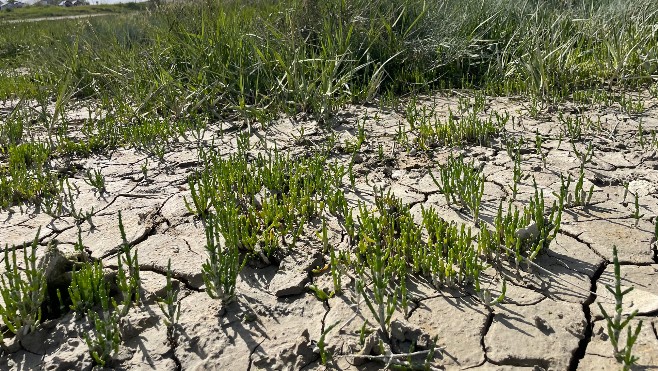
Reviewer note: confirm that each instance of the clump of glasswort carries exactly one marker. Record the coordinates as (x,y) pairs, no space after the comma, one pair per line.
(615,324)
(22,290)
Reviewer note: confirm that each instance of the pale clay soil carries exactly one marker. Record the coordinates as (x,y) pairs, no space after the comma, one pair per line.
(276,322)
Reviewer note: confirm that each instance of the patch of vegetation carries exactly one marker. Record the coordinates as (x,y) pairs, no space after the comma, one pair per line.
(22,290)
(35,11)
(259,206)
(617,322)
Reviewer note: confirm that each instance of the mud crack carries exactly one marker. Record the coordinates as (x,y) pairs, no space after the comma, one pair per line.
(251,354)
(584,342)
(485,331)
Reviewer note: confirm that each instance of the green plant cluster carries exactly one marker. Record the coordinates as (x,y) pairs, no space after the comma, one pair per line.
(522,234)
(209,58)
(468,128)
(22,290)
(27,175)
(260,205)
(461,183)
(617,322)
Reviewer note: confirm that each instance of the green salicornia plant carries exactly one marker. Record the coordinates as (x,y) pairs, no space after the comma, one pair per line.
(221,269)
(615,324)
(95,179)
(127,279)
(461,183)
(336,270)
(626,190)
(324,355)
(22,290)
(522,234)
(87,286)
(106,336)
(170,307)
(201,195)
(88,283)
(488,300)
(471,128)
(539,141)
(383,296)
(517,174)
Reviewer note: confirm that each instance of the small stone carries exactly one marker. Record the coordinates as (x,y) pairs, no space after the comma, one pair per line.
(397,174)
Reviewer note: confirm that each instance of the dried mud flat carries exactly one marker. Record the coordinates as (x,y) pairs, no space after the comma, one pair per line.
(549,319)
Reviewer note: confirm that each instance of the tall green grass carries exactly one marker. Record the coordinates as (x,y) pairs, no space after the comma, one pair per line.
(252,58)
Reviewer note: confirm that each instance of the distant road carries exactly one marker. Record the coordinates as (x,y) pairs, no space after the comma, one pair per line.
(56,18)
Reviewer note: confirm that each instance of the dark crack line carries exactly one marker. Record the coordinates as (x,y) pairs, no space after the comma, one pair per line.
(326,313)
(251,353)
(589,245)
(544,297)
(173,345)
(156,219)
(416,303)
(189,248)
(485,331)
(152,230)
(589,328)
(501,186)
(535,363)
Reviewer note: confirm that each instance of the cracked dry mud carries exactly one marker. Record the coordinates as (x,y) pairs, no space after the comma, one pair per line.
(276,322)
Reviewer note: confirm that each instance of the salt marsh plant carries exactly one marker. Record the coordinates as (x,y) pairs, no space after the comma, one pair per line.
(307,58)
(87,287)
(461,183)
(522,234)
(488,300)
(383,296)
(447,256)
(22,289)
(263,204)
(539,141)
(170,307)
(95,179)
(127,279)
(431,131)
(104,343)
(27,176)
(221,269)
(572,127)
(615,324)
(517,174)
(580,196)
(324,354)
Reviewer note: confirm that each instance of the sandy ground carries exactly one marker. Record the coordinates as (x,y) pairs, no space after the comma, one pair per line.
(549,320)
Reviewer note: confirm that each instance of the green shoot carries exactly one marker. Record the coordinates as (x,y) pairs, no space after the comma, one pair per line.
(616,325)
(22,290)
